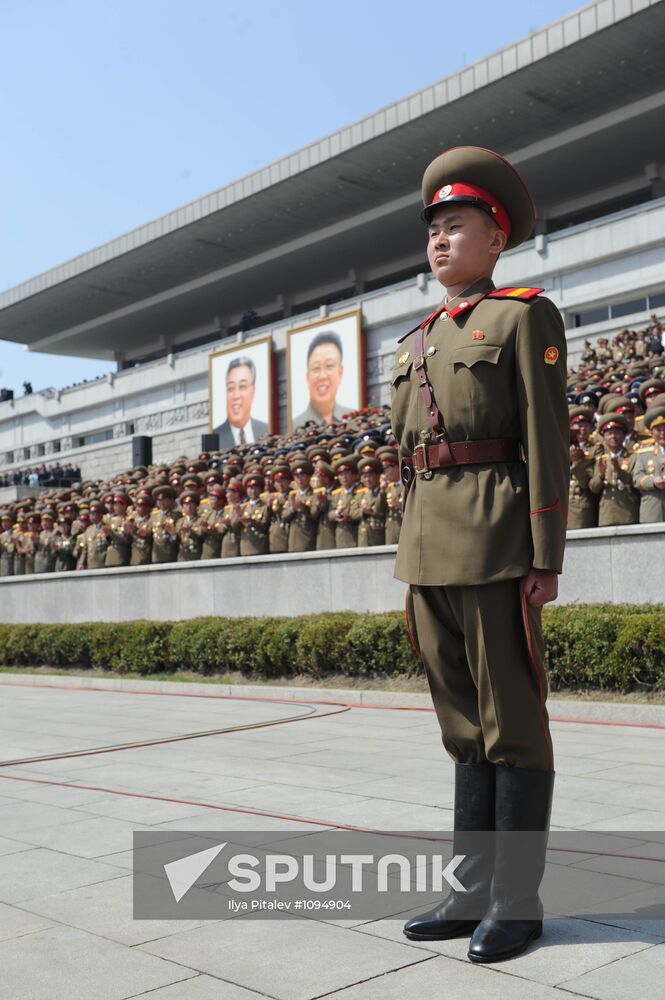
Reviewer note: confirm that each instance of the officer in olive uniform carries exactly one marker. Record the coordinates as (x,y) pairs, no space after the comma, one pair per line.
(117,534)
(326,482)
(190,531)
(278,532)
(342,511)
(647,468)
(212,521)
(480,415)
(164,524)
(298,509)
(92,542)
(582,503)
(254,515)
(65,546)
(231,519)
(45,555)
(611,480)
(393,488)
(370,504)
(139,525)
(7,545)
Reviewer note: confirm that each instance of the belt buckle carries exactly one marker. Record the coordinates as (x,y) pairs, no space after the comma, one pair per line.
(425,468)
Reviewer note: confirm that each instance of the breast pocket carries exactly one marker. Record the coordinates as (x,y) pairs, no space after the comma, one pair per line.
(470,356)
(400,373)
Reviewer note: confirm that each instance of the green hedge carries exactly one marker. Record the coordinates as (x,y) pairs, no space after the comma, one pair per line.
(588,647)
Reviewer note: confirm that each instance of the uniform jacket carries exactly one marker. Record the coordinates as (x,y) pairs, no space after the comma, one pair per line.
(498,371)
(644,466)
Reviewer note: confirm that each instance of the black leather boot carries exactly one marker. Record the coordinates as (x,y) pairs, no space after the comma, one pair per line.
(515,914)
(459,913)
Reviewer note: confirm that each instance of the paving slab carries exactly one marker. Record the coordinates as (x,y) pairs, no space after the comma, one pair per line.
(37,873)
(15,922)
(288,959)
(61,963)
(640,975)
(202,988)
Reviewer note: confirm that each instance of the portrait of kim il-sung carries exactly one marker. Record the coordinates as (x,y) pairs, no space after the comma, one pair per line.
(240,392)
(324,369)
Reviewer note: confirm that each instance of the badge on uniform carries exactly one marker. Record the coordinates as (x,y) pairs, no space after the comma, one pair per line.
(477,335)
(551,355)
(402,360)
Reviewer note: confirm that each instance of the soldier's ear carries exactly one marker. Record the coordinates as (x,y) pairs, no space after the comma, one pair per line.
(498,241)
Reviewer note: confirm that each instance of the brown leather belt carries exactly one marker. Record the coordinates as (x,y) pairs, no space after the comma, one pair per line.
(444,454)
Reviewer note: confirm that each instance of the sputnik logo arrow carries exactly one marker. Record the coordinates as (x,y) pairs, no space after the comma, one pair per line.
(183,873)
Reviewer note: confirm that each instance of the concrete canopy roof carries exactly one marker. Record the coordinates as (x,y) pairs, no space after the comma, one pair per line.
(578,106)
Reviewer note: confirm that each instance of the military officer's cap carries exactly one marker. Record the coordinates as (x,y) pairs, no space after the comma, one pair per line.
(471,175)
(235,485)
(387,455)
(143,497)
(254,479)
(345,463)
(281,469)
(612,421)
(189,496)
(164,490)
(365,446)
(94,505)
(652,387)
(586,398)
(266,461)
(620,404)
(339,451)
(302,467)
(606,401)
(49,514)
(635,397)
(218,491)
(191,481)
(654,417)
(197,466)
(119,496)
(231,468)
(212,474)
(579,415)
(325,468)
(368,463)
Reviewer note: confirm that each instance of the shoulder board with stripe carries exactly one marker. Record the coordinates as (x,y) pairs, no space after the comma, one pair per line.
(336,491)
(515,293)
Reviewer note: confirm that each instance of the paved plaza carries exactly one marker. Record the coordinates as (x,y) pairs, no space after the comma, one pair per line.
(66,926)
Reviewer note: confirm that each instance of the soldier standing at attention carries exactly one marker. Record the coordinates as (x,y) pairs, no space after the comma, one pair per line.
(582,503)
(254,518)
(298,509)
(139,526)
(164,525)
(480,415)
(231,520)
(65,546)
(45,555)
(393,488)
(648,469)
(611,480)
(343,513)
(371,504)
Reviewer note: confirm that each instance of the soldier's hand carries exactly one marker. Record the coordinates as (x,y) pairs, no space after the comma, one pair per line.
(541,586)
(659,482)
(576,453)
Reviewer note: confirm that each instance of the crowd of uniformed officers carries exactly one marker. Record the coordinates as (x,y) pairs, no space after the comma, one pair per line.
(324,493)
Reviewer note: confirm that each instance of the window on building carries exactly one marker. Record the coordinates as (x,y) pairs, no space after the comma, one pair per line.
(591,316)
(626,308)
(56,446)
(656,301)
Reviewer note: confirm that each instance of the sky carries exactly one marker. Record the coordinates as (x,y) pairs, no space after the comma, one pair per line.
(117,112)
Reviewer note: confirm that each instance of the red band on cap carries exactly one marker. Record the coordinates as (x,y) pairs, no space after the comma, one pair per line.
(452,192)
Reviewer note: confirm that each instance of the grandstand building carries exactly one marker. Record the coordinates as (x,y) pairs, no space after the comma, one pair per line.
(578,107)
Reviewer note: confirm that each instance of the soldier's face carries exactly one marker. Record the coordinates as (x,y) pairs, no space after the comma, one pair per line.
(369,479)
(95,515)
(391,472)
(282,483)
(240,392)
(324,373)
(347,478)
(253,492)
(190,507)
(165,502)
(614,438)
(658,433)
(461,246)
(302,479)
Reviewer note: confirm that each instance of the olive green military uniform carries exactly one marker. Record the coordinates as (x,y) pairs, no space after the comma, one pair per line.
(370,506)
(19,551)
(472,532)
(164,530)
(254,524)
(45,554)
(619,501)
(7,547)
(582,503)
(278,532)
(301,519)
(65,553)
(212,538)
(231,536)
(141,540)
(644,467)
(93,545)
(119,549)
(190,538)
(325,529)
(27,548)
(346,527)
(394,494)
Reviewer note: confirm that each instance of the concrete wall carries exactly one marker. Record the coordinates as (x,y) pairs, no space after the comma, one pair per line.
(620,565)
(619,257)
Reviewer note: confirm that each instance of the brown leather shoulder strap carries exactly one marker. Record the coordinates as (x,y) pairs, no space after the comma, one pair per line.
(426,390)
